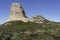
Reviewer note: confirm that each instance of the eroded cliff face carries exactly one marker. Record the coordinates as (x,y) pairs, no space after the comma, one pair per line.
(17,13)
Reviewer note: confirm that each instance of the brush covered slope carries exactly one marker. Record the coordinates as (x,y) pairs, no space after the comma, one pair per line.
(18,30)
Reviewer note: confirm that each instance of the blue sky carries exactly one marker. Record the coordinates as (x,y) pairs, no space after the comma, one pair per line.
(50,9)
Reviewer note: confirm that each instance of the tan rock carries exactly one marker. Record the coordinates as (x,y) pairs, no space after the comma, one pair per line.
(38,19)
(17,13)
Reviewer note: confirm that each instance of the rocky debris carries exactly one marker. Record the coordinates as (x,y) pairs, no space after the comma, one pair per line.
(38,19)
(7,24)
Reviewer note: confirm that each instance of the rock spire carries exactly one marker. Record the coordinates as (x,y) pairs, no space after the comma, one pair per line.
(17,13)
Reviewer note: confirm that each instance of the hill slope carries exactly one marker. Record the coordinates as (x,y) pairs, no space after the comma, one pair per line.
(18,30)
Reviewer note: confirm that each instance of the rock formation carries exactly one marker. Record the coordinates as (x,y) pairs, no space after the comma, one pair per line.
(38,19)
(17,13)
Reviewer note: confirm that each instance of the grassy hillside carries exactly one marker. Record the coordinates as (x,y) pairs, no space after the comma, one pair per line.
(18,30)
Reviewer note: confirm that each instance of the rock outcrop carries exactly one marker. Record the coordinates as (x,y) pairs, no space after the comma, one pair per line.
(38,19)
(17,13)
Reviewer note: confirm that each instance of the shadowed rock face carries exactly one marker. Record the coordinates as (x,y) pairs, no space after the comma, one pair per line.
(17,13)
